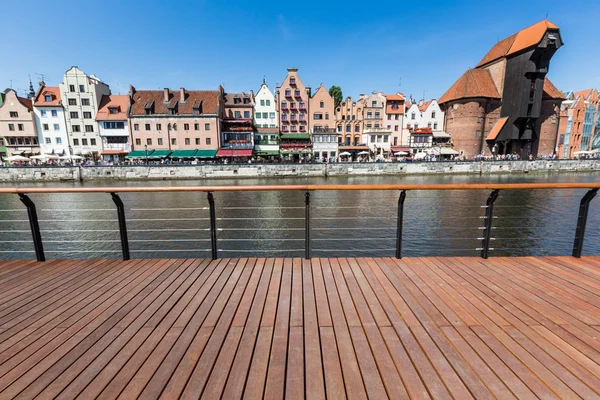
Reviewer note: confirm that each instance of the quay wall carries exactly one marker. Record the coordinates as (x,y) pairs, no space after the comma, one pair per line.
(207,171)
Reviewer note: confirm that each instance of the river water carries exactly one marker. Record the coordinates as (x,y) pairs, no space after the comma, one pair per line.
(261,224)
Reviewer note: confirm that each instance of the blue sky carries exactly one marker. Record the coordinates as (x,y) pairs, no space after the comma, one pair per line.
(360,46)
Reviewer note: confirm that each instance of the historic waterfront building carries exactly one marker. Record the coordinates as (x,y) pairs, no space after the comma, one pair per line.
(376,135)
(325,144)
(81,94)
(237,135)
(171,120)
(582,111)
(322,110)
(113,123)
(349,122)
(266,143)
(265,109)
(293,104)
(506,104)
(17,125)
(50,121)
(394,120)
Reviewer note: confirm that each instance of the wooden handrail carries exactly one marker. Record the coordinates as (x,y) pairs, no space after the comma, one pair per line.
(466,186)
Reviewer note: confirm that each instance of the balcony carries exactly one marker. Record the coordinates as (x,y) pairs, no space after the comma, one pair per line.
(294,119)
(288,94)
(302,118)
(284,107)
(302,107)
(383,131)
(292,81)
(285,129)
(294,129)
(297,94)
(303,128)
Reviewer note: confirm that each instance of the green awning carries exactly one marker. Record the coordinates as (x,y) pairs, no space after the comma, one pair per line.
(267,153)
(183,154)
(139,154)
(295,136)
(206,153)
(160,153)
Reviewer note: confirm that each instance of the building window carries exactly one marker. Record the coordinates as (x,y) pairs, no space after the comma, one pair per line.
(389,116)
(72,88)
(413,116)
(85,102)
(396,128)
(112,110)
(56,127)
(147,127)
(81,88)
(262,102)
(84,142)
(429,124)
(75,128)
(72,102)
(89,128)
(46,127)
(87,115)
(376,125)
(326,115)
(288,93)
(266,115)
(138,142)
(174,127)
(372,138)
(54,113)
(198,141)
(158,127)
(74,114)
(206,127)
(272,115)
(435,125)
(14,114)
(348,129)
(173,141)
(92,142)
(149,141)
(322,104)
(356,128)
(268,102)
(48,140)
(208,141)
(75,142)
(196,127)
(433,114)
(246,114)
(238,114)
(374,103)
(186,127)
(376,115)
(257,115)
(43,113)
(477,133)
(386,138)
(317,116)
(136,127)
(479,120)
(187,141)
(47,98)
(160,141)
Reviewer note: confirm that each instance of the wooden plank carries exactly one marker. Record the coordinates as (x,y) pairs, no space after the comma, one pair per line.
(276,373)
(323,314)
(332,369)
(294,378)
(313,377)
(257,375)
(296,313)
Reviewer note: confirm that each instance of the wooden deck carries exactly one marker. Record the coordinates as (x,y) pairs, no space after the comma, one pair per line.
(288,328)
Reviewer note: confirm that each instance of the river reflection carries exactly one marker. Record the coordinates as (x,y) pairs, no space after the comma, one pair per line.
(343,223)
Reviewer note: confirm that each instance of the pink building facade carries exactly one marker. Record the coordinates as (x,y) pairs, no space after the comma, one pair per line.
(293,104)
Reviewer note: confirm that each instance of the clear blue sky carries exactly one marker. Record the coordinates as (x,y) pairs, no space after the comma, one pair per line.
(361,46)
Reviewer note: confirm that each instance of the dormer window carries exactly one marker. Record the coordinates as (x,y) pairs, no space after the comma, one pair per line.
(196,111)
(237,100)
(374,103)
(48,98)
(172,111)
(246,100)
(292,81)
(112,110)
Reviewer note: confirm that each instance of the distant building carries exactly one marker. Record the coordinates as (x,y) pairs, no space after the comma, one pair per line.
(17,125)
(293,104)
(349,122)
(3,150)
(266,143)
(376,135)
(506,104)
(50,121)
(265,109)
(113,123)
(582,109)
(322,110)
(237,135)
(81,95)
(325,144)
(394,120)
(168,120)
(424,125)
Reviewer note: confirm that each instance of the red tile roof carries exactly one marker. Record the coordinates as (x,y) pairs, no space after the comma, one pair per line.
(472,84)
(43,91)
(120,102)
(206,100)
(26,102)
(397,96)
(423,107)
(521,40)
(497,128)
(550,91)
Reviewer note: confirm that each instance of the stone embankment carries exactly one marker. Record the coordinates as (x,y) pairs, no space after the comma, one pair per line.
(206,171)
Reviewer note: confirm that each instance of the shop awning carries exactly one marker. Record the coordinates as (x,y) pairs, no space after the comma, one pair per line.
(267,152)
(399,149)
(139,154)
(441,135)
(160,153)
(206,153)
(497,128)
(113,152)
(234,153)
(295,136)
(183,154)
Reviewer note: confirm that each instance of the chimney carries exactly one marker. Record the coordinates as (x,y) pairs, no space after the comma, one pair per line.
(166,91)
(182,95)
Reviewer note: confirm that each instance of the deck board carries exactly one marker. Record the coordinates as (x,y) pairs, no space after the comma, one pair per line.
(334,328)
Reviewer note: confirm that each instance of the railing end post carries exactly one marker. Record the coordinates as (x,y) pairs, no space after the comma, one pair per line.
(399,223)
(584,206)
(489,214)
(307,225)
(35,226)
(213,226)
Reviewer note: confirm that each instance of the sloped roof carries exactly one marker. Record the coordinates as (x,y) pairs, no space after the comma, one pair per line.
(550,91)
(497,128)
(424,105)
(26,102)
(397,96)
(43,91)
(229,99)
(120,102)
(521,40)
(206,100)
(583,93)
(472,84)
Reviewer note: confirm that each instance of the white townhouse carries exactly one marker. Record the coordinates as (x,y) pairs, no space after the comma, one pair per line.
(81,95)
(50,121)
(265,109)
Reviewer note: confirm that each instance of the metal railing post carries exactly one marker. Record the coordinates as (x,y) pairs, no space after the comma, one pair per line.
(213,226)
(307,226)
(489,215)
(122,225)
(35,226)
(584,206)
(399,223)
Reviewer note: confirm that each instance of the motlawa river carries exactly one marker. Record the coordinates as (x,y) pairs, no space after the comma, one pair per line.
(267,224)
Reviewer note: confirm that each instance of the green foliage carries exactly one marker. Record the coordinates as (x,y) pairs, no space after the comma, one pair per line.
(336,93)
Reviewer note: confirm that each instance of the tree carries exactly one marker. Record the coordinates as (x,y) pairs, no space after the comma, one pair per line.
(336,93)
